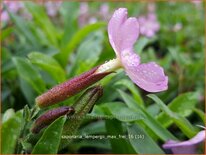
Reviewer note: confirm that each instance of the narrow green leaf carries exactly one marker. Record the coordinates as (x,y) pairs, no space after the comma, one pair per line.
(200,113)
(153,124)
(29,93)
(87,54)
(48,64)
(6,32)
(29,73)
(42,20)
(183,105)
(69,12)
(98,143)
(50,140)
(119,144)
(140,45)
(133,88)
(179,120)
(76,39)
(10,132)
(141,141)
(121,112)
(23,29)
(98,127)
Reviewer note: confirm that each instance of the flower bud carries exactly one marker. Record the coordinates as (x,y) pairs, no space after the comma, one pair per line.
(50,116)
(70,88)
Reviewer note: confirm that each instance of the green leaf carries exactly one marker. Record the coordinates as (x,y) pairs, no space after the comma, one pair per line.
(149,121)
(10,132)
(98,127)
(6,32)
(133,88)
(29,73)
(50,140)
(141,141)
(121,112)
(76,39)
(87,54)
(98,143)
(23,29)
(48,64)
(69,12)
(42,20)
(140,45)
(200,113)
(183,105)
(119,145)
(9,113)
(179,120)
(28,91)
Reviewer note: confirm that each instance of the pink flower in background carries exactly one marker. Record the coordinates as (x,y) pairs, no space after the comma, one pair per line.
(185,147)
(4,16)
(151,7)
(104,11)
(83,14)
(149,25)
(197,2)
(52,7)
(86,17)
(123,33)
(12,6)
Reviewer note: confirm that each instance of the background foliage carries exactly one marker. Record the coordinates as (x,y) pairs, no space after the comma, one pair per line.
(44,51)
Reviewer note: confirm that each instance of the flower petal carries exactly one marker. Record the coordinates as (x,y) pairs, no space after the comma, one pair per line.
(129,59)
(114,25)
(149,77)
(122,32)
(186,147)
(129,33)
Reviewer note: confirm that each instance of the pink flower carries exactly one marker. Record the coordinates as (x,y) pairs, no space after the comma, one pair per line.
(123,33)
(12,6)
(104,11)
(4,16)
(52,7)
(149,25)
(151,7)
(185,147)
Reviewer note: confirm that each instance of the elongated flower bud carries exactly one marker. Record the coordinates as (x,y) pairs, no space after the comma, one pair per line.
(50,116)
(70,88)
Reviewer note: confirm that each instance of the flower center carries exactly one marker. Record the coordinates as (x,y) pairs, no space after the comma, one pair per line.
(109,66)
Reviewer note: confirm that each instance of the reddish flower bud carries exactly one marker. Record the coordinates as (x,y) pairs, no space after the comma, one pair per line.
(70,87)
(48,117)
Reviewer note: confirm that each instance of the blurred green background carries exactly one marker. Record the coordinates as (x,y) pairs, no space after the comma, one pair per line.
(41,48)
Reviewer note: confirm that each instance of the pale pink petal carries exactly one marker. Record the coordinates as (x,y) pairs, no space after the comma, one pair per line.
(149,77)
(185,147)
(114,27)
(129,34)
(4,16)
(122,32)
(129,59)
